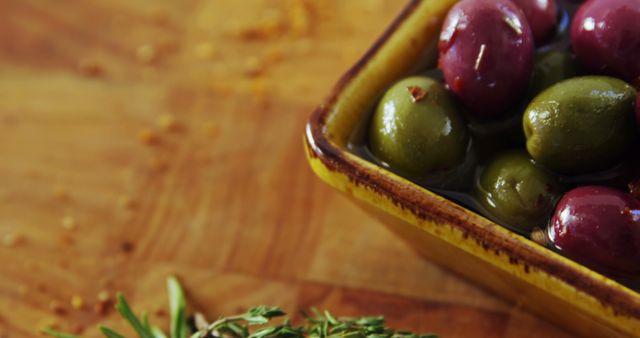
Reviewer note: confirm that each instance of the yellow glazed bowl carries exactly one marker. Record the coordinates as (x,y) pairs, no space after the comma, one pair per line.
(550,285)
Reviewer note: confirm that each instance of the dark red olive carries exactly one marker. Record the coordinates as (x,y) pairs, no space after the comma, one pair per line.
(599,227)
(605,35)
(542,16)
(486,54)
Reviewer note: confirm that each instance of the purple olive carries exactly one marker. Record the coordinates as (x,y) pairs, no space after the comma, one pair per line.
(599,227)
(486,54)
(542,16)
(605,35)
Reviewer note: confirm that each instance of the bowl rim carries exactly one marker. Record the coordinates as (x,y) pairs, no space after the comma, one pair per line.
(412,198)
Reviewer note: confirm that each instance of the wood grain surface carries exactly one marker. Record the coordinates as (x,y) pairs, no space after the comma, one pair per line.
(144,138)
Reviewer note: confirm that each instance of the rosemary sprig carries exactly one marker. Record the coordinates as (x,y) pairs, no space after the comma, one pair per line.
(178,309)
(251,324)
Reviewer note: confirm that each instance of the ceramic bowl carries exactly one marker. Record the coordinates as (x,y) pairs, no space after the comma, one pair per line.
(508,264)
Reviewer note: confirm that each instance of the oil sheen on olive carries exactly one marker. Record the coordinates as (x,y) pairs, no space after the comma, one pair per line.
(416,128)
(516,191)
(486,55)
(581,125)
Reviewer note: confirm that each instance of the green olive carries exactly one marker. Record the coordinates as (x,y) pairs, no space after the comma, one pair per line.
(516,191)
(581,125)
(417,130)
(550,68)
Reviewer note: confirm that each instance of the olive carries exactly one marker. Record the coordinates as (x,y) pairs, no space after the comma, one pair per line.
(599,227)
(581,125)
(542,17)
(516,191)
(416,128)
(486,55)
(550,68)
(605,35)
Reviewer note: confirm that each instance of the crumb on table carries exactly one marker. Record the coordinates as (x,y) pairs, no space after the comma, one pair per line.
(12,239)
(59,192)
(148,136)
(254,66)
(57,307)
(205,51)
(89,68)
(167,122)
(77,302)
(126,202)
(69,223)
(146,53)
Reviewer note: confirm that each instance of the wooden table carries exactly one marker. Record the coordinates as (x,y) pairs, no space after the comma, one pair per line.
(144,138)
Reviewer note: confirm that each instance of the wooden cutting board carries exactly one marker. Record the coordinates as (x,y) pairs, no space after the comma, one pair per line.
(144,138)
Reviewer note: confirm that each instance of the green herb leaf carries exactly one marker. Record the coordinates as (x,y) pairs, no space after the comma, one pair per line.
(53,333)
(145,321)
(157,332)
(262,314)
(234,329)
(123,307)
(263,332)
(330,318)
(110,333)
(178,308)
(282,331)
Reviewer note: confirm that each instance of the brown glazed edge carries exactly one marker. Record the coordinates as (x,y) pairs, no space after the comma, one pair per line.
(426,207)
